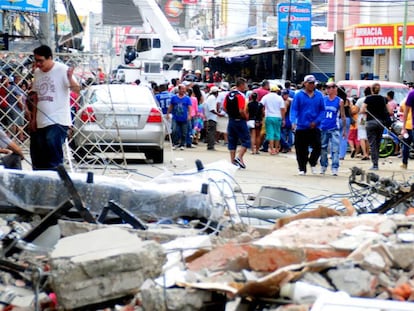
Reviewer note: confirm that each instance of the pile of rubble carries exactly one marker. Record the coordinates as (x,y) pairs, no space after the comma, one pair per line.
(171,268)
(69,258)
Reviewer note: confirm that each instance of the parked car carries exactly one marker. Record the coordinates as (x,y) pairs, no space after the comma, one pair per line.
(355,88)
(119,117)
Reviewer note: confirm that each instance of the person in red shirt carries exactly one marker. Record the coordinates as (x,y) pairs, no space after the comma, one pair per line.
(237,130)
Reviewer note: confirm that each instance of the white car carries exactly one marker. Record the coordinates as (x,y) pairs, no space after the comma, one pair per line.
(119,117)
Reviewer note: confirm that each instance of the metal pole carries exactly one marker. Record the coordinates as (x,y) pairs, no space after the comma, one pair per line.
(403,43)
(286,52)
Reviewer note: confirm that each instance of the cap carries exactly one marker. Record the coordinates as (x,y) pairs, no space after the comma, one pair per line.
(206,69)
(274,88)
(309,78)
(285,92)
(198,71)
(214,89)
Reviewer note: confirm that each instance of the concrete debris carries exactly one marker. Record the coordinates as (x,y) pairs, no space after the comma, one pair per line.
(102,265)
(196,261)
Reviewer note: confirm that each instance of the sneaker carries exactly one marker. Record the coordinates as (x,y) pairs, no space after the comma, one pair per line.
(323,170)
(373,168)
(175,147)
(403,166)
(182,148)
(334,172)
(235,164)
(191,146)
(302,173)
(239,162)
(313,169)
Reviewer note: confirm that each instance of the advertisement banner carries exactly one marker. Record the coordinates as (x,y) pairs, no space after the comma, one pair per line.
(40,6)
(364,37)
(294,21)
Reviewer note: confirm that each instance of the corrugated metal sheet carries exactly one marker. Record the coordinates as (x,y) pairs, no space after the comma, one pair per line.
(120,13)
(324,62)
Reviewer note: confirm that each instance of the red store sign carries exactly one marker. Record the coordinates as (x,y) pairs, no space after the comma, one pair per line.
(362,37)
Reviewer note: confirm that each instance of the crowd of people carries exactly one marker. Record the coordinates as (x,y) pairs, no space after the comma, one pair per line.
(318,120)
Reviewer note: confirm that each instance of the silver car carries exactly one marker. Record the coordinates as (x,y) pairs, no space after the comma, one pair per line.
(118,118)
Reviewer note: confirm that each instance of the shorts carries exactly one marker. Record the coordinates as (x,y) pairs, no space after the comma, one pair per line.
(273,127)
(237,130)
(353,136)
(362,133)
(251,124)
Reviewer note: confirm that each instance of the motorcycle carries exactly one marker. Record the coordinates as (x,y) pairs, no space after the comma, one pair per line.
(391,138)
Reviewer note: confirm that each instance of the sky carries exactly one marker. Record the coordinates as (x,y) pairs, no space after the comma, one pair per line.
(82,7)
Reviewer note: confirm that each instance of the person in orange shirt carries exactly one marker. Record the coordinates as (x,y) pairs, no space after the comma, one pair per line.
(407,139)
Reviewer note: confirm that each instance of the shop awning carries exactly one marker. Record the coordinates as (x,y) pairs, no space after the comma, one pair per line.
(246,52)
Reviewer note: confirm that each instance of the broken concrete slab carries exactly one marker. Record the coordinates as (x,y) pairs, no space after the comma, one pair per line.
(353,281)
(153,297)
(102,265)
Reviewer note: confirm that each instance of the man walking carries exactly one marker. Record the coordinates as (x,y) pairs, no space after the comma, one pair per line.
(306,114)
(331,137)
(53,82)
(211,113)
(235,106)
(180,108)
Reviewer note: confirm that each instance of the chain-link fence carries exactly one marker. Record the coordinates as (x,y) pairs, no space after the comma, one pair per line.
(15,83)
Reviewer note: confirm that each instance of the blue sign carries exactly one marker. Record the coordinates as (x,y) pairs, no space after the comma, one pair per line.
(40,6)
(294,23)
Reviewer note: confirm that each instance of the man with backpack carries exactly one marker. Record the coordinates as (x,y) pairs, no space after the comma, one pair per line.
(237,130)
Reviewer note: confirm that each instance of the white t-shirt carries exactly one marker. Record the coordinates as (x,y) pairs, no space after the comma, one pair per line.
(53,91)
(273,103)
(210,105)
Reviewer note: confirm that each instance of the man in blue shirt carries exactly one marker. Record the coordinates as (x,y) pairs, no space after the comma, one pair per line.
(164,100)
(180,108)
(306,114)
(331,136)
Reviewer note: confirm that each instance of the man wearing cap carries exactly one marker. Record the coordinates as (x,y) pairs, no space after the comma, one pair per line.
(198,77)
(306,114)
(274,118)
(207,75)
(211,113)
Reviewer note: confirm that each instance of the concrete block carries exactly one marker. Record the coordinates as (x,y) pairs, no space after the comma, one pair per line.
(101,265)
(403,254)
(353,281)
(174,299)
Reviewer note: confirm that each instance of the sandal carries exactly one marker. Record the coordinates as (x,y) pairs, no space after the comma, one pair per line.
(365,158)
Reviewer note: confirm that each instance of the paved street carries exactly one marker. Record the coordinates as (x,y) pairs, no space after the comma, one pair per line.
(265,170)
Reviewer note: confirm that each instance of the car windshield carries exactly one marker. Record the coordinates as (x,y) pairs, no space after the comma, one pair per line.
(121,95)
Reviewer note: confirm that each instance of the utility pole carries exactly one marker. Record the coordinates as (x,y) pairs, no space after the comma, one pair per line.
(286,52)
(47,27)
(403,43)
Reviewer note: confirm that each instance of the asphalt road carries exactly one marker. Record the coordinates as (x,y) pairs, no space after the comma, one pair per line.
(266,170)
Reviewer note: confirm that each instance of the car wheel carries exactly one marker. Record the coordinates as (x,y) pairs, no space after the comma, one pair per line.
(157,155)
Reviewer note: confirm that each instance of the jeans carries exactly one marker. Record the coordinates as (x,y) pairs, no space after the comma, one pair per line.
(287,136)
(343,147)
(406,146)
(374,133)
(179,132)
(330,138)
(46,147)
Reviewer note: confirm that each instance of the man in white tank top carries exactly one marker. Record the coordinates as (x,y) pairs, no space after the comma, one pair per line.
(51,117)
